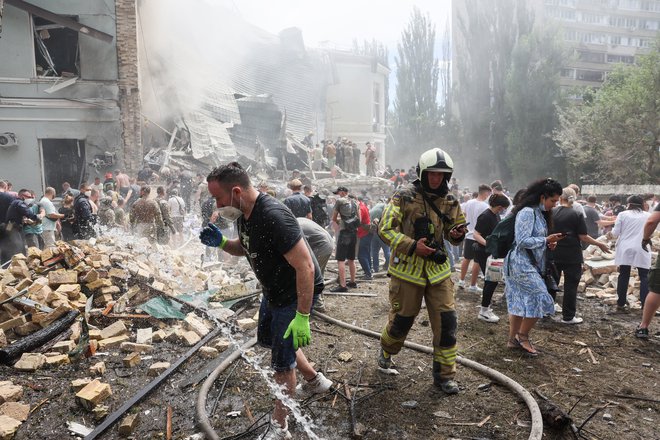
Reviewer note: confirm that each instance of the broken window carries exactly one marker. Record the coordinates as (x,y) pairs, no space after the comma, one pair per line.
(63,160)
(56,51)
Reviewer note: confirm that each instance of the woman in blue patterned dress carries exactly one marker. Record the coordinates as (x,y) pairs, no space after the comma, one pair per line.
(526,294)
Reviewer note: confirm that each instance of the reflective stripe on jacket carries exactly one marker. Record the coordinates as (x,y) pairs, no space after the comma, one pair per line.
(396,228)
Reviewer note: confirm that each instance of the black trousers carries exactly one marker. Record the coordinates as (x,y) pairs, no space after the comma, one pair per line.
(622,284)
(489,286)
(572,273)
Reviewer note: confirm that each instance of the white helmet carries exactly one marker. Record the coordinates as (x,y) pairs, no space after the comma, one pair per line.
(435,159)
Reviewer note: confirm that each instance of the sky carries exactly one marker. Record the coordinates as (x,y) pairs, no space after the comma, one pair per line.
(336,23)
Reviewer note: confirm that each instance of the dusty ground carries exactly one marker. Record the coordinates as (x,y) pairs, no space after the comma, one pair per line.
(624,366)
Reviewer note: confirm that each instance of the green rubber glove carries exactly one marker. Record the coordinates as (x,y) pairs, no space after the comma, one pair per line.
(299,329)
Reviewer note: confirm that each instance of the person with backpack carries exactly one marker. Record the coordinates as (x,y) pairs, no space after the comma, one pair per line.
(524,266)
(346,214)
(486,223)
(415,223)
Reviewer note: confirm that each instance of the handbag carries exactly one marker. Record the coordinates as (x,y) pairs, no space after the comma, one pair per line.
(494,269)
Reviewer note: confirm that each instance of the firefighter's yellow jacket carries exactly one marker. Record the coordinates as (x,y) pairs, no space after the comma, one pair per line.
(396,228)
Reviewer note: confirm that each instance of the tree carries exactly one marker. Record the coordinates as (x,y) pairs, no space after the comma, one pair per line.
(532,94)
(614,136)
(416,113)
(488,32)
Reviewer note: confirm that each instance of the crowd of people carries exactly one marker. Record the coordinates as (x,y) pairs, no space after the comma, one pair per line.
(341,155)
(426,228)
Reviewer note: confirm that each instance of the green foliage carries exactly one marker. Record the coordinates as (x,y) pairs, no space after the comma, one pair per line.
(532,93)
(416,116)
(613,136)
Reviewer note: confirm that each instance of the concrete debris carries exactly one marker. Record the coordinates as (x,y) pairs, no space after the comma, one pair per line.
(208,352)
(600,274)
(16,410)
(30,362)
(94,393)
(10,392)
(8,427)
(128,424)
(97,369)
(79,384)
(132,360)
(158,368)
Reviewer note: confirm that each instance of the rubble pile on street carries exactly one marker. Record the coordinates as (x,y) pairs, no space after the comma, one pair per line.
(600,274)
(45,294)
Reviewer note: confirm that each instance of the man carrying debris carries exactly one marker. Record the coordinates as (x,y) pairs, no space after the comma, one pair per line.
(415,224)
(271,239)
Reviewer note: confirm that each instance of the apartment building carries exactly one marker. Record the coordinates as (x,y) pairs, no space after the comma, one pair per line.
(69,93)
(601,34)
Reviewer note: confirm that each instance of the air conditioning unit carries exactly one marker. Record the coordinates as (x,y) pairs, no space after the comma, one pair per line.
(8,140)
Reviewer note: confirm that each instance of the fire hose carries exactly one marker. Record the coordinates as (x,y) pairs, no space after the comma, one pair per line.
(536,432)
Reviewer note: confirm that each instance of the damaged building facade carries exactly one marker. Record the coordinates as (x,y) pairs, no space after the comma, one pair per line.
(69,95)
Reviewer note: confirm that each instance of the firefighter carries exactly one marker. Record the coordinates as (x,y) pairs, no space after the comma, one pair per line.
(415,223)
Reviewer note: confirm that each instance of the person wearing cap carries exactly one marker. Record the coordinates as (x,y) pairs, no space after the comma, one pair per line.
(629,231)
(297,202)
(346,214)
(415,223)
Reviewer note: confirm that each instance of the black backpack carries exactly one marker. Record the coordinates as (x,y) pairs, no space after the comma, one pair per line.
(500,241)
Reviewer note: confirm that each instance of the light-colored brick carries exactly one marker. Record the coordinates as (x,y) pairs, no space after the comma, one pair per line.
(94,393)
(16,410)
(112,342)
(131,347)
(30,362)
(158,368)
(8,427)
(115,329)
(10,392)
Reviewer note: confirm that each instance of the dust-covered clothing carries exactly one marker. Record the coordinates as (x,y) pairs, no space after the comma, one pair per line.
(146,218)
(414,277)
(163,232)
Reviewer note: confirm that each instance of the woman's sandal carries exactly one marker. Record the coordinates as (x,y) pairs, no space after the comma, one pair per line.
(524,339)
(512,343)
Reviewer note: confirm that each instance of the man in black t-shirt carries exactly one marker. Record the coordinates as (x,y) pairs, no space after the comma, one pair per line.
(271,239)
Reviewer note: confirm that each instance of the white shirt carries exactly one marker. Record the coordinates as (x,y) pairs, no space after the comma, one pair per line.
(177,206)
(49,208)
(472,210)
(629,227)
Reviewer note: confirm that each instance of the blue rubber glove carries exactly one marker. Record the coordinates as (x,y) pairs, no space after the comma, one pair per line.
(212,236)
(299,329)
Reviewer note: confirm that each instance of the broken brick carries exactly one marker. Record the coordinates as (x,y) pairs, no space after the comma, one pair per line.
(112,342)
(132,347)
(158,368)
(30,362)
(94,393)
(98,369)
(15,410)
(132,360)
(10,392)
(115,329)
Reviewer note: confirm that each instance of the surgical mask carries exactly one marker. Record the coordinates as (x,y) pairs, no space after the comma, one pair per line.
(88,193)
(230,213)
(29,201)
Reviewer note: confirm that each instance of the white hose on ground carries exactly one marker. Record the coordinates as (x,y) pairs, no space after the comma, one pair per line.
(202,416)
(536,432)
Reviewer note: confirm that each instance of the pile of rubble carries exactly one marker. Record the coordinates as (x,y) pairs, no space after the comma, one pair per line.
(75,300)
(600,274)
